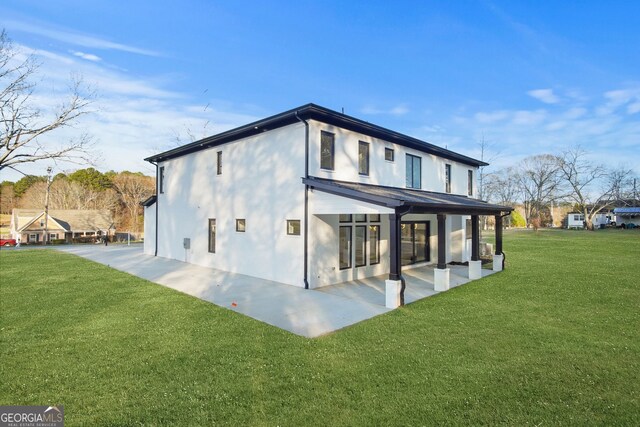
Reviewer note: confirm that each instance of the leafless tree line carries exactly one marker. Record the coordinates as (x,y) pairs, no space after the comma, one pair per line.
(571,177)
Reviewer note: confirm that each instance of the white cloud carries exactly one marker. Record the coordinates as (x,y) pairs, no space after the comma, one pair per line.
(491,116)
(529,118)
(73,37)
(398,110)
(544,95)
(633,108)
(87,56)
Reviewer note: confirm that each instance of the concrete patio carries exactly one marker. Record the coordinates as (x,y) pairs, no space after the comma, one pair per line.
(310,313)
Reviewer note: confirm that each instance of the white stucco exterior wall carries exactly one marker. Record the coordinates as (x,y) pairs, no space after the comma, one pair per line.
(150,229)
(261,183)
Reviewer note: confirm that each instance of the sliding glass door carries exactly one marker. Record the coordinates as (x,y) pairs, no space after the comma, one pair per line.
(415,242)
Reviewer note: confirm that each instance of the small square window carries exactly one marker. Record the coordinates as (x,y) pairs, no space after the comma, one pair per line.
(374,217)
(345,217)
(389,154)
(241,225)
(293,227)
(361,217)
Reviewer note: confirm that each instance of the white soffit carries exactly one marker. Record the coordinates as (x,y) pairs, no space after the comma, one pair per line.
(329,204)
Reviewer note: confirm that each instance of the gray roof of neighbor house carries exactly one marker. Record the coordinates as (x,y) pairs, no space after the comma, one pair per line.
(321,114)
(418,201)
(70,220)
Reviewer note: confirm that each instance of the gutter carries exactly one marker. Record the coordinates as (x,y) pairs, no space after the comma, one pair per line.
(306,200)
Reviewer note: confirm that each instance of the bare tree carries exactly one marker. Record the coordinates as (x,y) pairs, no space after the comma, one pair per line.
(540,183)
(21,123)
(593,187)
(133,189)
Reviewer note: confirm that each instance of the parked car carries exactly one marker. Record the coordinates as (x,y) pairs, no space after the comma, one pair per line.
(7,242)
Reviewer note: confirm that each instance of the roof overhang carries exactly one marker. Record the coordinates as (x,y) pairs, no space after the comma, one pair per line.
(407,200)
(314,112)
(149,201)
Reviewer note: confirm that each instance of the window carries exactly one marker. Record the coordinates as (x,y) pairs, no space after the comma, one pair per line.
(219,163)
(327,150)
(447,178)
(293,227)
(345,247)
(363,158)
(33,238)
(374,244)
(374,217)
(241,225)
(161,184)
(414,171)
(361,217)
(469,230)
(361,245)
(53,236)
(345,217)
(212,235)
(470,182)
(388,154)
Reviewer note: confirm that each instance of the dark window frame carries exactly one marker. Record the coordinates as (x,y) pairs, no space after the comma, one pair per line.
(212,235)
(333,150)
(447,178)
(292,221)
(410,160)
(364,246)
(161,179)
(377,243)
(392,153)
(346,220)
(360,220)
(244,225)
(219,163)
(470,182)
(366,146)
(350,264)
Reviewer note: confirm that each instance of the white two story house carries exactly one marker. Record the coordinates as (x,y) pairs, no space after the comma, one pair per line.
(311,197)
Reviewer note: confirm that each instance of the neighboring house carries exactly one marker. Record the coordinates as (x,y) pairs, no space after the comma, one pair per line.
(29,225)
(312,197)
(576,219)
(627,215)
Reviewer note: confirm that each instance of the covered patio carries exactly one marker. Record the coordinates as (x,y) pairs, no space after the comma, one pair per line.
(403,201)
(419,284)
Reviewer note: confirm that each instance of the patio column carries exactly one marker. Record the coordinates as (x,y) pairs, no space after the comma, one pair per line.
(394,292)
(441,273)
(498,257)
(475,265)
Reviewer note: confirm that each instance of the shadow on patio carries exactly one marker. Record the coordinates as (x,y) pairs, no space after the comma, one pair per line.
(419,284)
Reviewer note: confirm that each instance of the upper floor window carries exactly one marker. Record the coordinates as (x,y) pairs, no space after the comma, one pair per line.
(327,150)
(212,235)
(447,177)
(363,158)
(389,154)
(414,171)
(219,163)
(470,182)
(161,178)
(241,225)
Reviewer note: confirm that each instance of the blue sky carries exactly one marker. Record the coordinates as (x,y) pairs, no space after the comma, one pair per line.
(528,77)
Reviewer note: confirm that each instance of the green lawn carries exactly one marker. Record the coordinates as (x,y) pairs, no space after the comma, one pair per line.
(552,340)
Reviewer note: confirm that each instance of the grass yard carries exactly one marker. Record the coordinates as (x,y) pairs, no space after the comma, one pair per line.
(552,340)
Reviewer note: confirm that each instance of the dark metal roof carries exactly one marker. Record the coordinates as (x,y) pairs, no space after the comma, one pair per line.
(419,201)
(315,112)
(149,201)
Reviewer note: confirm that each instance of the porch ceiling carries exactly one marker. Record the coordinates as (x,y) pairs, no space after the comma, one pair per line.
(408,200)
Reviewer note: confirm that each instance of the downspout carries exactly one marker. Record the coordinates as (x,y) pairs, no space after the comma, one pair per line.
(306,201)
(157,200)
(504,257)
